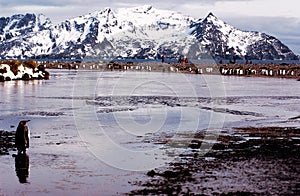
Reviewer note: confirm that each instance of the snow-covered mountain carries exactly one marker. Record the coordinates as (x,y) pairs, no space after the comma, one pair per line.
(139,32)
(225,41)
(19,25)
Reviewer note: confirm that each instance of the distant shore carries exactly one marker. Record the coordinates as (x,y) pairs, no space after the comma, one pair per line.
(238,69)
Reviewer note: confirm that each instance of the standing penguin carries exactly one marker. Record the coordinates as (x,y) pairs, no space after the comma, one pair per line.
(22,137)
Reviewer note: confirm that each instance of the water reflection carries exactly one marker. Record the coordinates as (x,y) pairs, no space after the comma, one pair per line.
(22,167)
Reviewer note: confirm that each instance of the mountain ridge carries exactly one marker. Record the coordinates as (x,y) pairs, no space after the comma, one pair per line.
(225,41)
(138,32)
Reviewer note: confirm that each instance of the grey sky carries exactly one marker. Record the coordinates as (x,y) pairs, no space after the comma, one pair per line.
(280,18)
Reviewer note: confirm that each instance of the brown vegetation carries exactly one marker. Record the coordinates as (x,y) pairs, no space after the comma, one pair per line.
(14,65)
(14,68)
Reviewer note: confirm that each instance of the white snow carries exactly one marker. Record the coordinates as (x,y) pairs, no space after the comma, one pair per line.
(9,72)
(21,71)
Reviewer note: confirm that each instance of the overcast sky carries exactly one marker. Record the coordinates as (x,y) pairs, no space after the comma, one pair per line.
(280,18)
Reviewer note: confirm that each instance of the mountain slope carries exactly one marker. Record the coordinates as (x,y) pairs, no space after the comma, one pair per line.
(139,32)
(225,41)
(18,25)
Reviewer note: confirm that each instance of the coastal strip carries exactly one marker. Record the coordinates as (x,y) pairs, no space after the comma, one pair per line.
(30,69)
(257,70)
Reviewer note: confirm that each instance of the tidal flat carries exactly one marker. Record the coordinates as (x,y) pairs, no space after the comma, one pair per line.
(116,133)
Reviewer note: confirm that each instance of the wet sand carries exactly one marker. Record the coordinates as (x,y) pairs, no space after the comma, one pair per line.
(247,160)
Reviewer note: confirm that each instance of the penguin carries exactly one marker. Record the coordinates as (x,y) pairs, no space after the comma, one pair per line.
(22,137)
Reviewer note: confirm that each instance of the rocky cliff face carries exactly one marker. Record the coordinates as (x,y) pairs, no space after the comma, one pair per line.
(140,32)
(20,25)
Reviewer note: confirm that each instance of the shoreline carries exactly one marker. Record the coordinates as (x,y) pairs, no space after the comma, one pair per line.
(248,70)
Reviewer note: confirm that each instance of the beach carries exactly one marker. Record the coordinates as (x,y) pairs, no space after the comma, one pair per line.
(247,161)
(138,132)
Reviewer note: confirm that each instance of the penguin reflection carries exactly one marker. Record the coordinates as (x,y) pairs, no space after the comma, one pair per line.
(22,167)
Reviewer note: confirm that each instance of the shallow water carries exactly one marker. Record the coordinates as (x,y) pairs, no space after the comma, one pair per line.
(93,132)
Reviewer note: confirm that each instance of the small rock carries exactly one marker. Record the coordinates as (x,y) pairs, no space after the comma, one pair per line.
(151,173)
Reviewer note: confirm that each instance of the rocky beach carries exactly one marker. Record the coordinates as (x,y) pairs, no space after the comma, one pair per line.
(243,161)
(6,142)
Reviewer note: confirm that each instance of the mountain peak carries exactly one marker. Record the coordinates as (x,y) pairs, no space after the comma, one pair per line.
(210,15)
(210,18)
(107,9)
(143,9)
